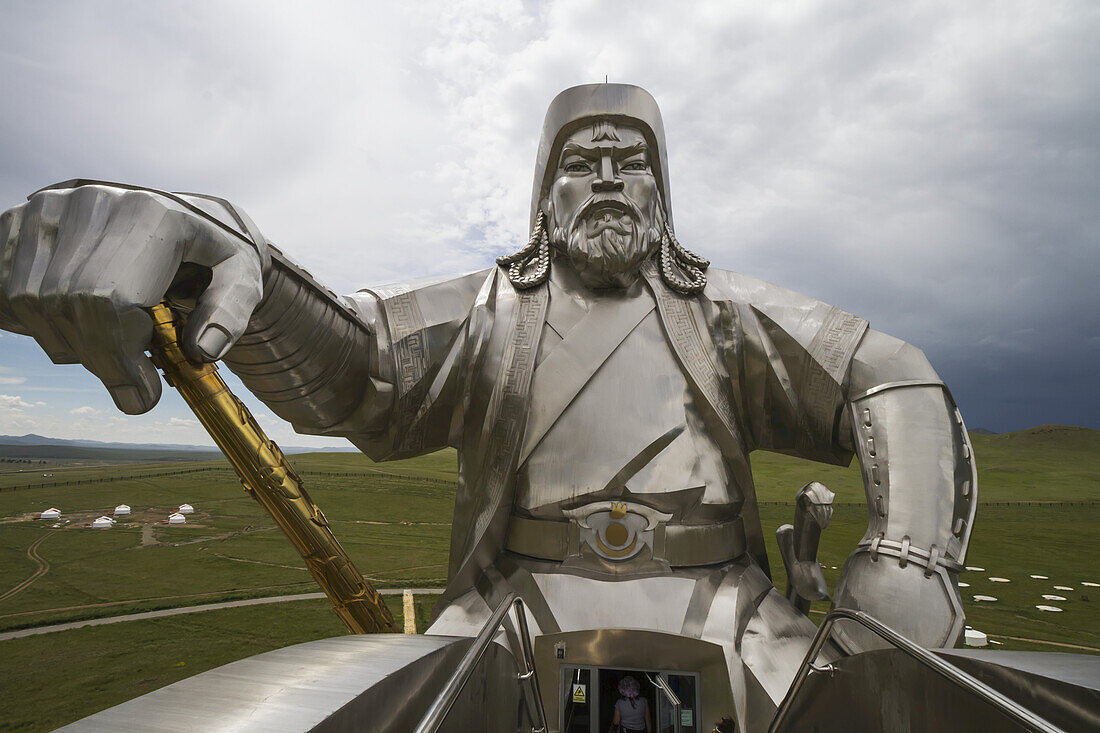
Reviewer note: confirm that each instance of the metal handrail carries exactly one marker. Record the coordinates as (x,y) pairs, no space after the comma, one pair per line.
(662,684)
(1005,704)
(447,697)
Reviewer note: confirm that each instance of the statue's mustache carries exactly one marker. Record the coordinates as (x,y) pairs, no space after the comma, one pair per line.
(602,211)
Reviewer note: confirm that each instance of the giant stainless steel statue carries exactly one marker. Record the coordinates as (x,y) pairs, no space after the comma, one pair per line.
(603,386)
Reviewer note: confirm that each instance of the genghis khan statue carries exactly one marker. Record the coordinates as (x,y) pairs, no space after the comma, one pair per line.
(603,386)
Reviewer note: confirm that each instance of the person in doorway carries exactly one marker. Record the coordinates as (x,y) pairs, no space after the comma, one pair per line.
(631,710)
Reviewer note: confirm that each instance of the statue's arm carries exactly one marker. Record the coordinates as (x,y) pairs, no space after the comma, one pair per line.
(919,476)
(81,261)
(306,353)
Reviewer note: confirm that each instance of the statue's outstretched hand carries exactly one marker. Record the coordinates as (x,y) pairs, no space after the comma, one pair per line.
(78,267)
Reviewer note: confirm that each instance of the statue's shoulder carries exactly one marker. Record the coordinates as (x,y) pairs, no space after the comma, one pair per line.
(740,288)
(423,302)
(802,316)
(439,286)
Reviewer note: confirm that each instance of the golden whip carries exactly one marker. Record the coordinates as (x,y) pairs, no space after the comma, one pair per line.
(269,478)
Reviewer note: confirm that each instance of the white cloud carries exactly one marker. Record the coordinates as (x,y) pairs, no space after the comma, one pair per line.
(14,402)
(85,410)
(181,422)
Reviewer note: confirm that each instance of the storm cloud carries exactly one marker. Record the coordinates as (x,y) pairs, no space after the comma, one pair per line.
(933,167)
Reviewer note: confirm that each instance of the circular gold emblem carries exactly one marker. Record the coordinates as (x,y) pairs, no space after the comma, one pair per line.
(617,534)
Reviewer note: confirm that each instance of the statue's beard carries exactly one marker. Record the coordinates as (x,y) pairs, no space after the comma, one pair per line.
(606,239)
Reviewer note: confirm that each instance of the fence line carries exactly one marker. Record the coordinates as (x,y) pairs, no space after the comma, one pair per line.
(371,473)
(179,472)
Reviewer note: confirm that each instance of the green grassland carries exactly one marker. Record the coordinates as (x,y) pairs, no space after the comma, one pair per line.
(394,521)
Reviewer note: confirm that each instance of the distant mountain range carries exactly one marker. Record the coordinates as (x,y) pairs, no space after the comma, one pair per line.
(40,440)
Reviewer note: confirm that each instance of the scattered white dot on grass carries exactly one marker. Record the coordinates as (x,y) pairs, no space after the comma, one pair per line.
(1090,584)
(834,567)
(994,641)
(1052,609)
(1000,580)
(975,568)
(964,585)
(1062,587)
(1041,577)
(980,599)
(1052,597)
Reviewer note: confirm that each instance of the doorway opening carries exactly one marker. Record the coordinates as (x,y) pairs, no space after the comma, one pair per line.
(589,696)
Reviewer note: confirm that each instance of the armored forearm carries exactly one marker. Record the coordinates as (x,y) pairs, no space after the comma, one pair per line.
(921,485)
(918,473)
(306,353)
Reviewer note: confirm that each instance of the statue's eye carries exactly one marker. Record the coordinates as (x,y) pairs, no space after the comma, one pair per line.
(577,167)
(635,166)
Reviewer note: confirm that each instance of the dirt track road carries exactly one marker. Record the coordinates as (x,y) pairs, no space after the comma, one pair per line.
(191,609)
(41,562)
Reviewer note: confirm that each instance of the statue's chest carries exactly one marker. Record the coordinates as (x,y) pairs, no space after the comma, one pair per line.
(613,417)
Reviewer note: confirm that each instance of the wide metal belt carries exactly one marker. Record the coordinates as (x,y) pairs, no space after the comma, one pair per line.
(674,544)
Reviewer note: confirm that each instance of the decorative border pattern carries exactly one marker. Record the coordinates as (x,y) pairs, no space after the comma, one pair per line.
(824,374)
(507,410)
(679,323)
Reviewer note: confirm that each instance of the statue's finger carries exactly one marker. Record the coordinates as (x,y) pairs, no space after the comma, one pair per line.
(222,312)
(114,340)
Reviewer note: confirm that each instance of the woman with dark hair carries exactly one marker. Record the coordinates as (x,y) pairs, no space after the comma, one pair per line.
(631,710)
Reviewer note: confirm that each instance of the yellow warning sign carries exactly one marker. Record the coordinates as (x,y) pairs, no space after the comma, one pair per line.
(578,693)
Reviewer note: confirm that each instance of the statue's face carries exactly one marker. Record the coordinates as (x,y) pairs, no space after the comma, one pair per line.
(604,205)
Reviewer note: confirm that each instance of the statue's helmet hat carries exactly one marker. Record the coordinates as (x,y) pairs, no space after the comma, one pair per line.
(577,106)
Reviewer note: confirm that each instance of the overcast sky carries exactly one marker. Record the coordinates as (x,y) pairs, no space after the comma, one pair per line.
(933,167)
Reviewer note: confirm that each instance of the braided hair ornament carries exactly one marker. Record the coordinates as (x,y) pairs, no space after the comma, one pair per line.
(673,259)
(531,265)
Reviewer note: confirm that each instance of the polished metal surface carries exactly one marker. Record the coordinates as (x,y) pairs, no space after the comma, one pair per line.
(377,682)
(887,690)
(440,708)
(604,379)
(1063,688)
(972,685)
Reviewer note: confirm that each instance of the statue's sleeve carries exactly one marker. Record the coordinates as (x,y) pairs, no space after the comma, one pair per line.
(816,382)
(790,369)
(420,362)
(379,367)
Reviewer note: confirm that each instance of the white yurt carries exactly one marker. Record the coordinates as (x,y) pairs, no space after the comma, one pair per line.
(103,523)
(973,637)
(51,513)
(177,518)
(187,509)
(122,510)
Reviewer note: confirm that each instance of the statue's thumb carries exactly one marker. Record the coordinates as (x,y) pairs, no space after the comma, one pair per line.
(211,331)
(222,312)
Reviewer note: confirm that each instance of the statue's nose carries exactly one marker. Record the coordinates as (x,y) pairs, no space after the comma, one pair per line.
(607,180)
